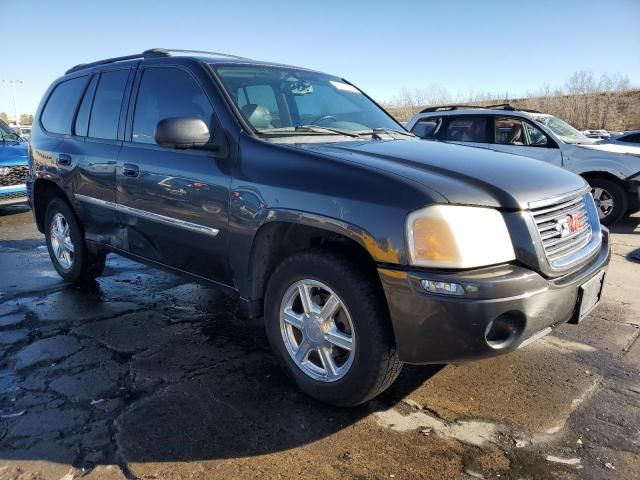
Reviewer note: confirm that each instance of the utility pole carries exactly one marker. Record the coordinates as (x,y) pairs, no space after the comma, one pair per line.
(13,84)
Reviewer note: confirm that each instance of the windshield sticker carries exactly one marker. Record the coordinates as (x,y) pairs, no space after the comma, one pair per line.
(344,86)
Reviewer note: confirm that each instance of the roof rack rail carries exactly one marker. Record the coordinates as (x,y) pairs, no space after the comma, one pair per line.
(151,53)
(154,52)
(507,106)
(202,52)
(445,108)
(498,106)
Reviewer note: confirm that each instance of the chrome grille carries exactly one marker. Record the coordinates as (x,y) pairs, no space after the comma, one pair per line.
(15,175)
(4,197)
(564,227)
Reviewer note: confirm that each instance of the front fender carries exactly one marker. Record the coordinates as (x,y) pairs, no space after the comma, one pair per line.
(381,249)
(581,160)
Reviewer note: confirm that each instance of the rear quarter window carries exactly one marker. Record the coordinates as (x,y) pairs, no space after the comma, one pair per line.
(60,108)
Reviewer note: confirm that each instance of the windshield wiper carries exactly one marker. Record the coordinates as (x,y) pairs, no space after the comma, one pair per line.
(319,129)
(392,130)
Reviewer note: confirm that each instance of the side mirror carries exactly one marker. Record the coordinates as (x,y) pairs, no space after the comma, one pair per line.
(182,132)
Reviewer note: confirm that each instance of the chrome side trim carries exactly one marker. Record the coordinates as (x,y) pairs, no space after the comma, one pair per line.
(156,217)
(96,201)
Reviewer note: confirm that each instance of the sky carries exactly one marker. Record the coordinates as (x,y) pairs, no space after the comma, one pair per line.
(381,46)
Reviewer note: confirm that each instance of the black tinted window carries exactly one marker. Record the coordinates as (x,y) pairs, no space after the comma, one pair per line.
(105,113)
(633,138)
(466,129)
(82,119)
(166,93)
(61,106)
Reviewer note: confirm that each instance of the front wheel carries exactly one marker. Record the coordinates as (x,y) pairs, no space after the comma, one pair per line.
(67,248)
(329,327)
(610,198)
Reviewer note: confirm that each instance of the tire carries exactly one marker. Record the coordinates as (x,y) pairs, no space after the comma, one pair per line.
(79,266)
(360,374)
(605,190)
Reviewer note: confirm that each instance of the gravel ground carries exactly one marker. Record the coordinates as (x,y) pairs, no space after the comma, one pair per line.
(144,375)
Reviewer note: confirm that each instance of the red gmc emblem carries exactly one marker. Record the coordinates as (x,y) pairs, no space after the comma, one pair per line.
(574,222)
(569,225)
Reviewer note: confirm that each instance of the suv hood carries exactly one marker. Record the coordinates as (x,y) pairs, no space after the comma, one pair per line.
(462,174)
(13,153)
(613,148)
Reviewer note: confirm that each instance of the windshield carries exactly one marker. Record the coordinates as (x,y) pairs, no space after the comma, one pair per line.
(562,129)
(286,101)
(7,134)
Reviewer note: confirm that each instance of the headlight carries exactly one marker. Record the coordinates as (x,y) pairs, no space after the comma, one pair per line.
(452,236)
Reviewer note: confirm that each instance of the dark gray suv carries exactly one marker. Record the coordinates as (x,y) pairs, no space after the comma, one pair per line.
(362,246)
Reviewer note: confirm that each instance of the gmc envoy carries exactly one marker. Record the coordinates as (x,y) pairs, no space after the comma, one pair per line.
(362,246)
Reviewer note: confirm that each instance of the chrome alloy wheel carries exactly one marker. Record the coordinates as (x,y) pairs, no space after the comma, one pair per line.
(603,200)
(61,242)
(317,330)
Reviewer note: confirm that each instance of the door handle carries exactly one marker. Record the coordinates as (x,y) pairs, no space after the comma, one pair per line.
(64,159)
(130,170)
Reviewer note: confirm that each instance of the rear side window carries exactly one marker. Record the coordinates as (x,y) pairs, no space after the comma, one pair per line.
(105,114)
(167,92)
(466,129)
(61,106)
(82,119)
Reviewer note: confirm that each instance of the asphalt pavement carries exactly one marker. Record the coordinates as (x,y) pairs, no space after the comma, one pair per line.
(144,375)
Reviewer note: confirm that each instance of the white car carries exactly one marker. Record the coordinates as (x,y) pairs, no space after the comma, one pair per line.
(613,171)
(596,134)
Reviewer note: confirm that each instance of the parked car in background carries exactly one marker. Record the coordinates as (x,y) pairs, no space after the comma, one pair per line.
(25,131)
(596,134)
(630,138)
(612,172)
(13,166)
(362,246)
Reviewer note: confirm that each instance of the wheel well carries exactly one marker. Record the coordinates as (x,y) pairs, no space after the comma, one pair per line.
(606,175)
(43,192)
(278,240)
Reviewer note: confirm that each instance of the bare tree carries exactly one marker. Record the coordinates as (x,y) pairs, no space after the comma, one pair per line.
(609,102)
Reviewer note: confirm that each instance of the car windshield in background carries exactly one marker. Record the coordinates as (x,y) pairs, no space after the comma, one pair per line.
(286,101)
(562,129)
(7,134)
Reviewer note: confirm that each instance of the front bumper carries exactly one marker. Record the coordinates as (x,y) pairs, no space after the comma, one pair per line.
(13,194)
(432,328)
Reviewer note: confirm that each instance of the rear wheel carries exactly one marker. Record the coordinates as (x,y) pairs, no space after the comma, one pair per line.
(67,248)
(329,327)
(611,200)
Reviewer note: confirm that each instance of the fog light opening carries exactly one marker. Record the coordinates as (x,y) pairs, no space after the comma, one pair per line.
(505,330)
